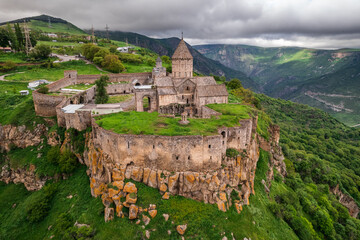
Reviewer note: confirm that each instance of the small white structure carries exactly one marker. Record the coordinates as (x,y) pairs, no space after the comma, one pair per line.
(24,92)
(34,84)
(124,49)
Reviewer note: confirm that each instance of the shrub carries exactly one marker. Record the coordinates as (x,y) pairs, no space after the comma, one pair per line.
(63,223)
(8,66)
(234,83)
(53,155)
(67,161)
(231,152)
(98,60)
(41,52)
(39,207)
(112,64)
(43,90)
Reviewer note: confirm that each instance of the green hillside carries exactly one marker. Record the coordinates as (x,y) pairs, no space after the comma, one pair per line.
(289,72)
(41,23)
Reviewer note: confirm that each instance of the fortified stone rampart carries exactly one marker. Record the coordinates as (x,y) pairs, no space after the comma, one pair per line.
(171,153)
(45,104)
(113,157)
(119,88)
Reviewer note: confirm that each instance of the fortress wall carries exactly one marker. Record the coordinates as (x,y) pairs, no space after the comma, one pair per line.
(55,86)
(60,114)
(119,88)
(171,153)
(121,77)
(79,120)
(240,137)
(45,105)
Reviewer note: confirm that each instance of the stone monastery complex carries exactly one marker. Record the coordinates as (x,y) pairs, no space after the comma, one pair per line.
(193,166)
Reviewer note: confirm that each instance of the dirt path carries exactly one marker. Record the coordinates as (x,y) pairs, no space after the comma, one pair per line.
(357,125)
(2,77)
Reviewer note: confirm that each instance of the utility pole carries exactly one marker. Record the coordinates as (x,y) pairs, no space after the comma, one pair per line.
(92,34)
(137,41)
(126,40)
(28,45)
(107,32)
(49,22)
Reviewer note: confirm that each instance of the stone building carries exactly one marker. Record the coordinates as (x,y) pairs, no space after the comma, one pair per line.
(179,91)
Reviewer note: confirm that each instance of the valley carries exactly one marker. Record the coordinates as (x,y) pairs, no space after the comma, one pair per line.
(291,73)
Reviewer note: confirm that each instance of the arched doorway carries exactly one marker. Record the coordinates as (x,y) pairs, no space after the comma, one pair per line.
(137,84)
(146,103)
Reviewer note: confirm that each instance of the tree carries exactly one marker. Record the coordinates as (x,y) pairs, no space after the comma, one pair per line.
(4,38)
(41,52)
(101,94)
(67,161)
(112,64)
(234,83)
(12,37)
(19,37)
(8,66)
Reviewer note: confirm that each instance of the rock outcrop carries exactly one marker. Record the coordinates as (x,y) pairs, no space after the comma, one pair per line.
(346,201)
(20,136)
(26,176)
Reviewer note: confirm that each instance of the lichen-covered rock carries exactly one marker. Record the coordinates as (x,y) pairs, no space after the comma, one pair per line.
(130,188)
(145,219)
(166,217)
(133,211)
(166,196)
(153,213)
(119,212)
(152,182)
(181,229)
(131,198)
(119,184)
(109,214)
(221,205)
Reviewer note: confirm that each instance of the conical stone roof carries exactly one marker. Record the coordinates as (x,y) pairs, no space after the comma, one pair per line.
(182,51)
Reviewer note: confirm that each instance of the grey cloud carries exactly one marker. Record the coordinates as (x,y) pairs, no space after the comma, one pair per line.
(319,23)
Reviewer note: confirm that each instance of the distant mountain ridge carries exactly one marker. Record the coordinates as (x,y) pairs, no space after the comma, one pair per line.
(319,78)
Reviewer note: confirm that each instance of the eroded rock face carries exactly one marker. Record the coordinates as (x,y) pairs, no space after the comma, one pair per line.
(347,201)
(20,136)
(26,176)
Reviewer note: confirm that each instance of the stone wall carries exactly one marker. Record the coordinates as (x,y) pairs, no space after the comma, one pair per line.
(45,105)
(119,89)
(80,120)
(208,112)
(171,153)
(56,86)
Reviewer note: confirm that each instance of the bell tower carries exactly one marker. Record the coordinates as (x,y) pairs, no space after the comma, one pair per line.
(182,61)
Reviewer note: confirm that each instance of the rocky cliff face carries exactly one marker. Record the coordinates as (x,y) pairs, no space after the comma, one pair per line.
(347,201)
(22,175)
(20,136)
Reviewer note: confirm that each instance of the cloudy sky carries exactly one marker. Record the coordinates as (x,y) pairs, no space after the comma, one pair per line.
(304,23)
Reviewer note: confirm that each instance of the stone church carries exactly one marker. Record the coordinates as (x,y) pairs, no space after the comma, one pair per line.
(179,91)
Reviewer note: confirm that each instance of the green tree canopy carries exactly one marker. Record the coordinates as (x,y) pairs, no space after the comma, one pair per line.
(101,94)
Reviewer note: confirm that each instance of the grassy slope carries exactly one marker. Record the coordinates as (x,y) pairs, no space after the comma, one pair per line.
(55,27)
(53,74)
(255,221)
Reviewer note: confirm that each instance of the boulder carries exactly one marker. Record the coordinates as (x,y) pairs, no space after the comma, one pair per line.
(152,182)
(130,188)
(133,211)
(119,184)
(131,198)
(153,213)
(166,196)
(166,217)
(109,214)
(145,219)
(181,229)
